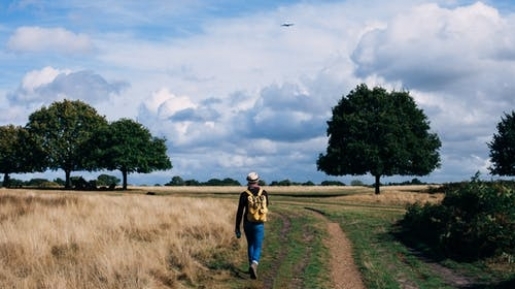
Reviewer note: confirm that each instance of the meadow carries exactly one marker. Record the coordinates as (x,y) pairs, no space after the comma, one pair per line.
(171,237)
(86,240)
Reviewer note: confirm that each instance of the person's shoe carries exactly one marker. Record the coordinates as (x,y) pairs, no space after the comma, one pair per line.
(253,270)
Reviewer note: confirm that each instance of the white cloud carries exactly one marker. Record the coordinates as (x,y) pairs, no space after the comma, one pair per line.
(240,92)
(49,84)
(38,39)
(433,47)
(166,104)
(37,78)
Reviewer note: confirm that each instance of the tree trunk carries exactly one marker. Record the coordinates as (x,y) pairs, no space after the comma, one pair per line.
(7,181)
(124,174)
(68,182)
(376,184)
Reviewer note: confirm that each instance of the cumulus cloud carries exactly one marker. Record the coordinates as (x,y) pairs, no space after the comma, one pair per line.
(50,84)
(165,104)
(188,125)
(37,78)
(245,93)
(287,113)
(433,48)
(58,40)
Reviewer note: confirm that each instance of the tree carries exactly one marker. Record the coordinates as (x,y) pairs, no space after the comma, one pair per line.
(502,147)
(127,146)
(175,181)
(332,183)
(62,130)
(191,183)
(381,133)
(18,153)
(107,180)
(230,182)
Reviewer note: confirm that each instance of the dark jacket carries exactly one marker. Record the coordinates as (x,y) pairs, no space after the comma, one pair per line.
(243,204)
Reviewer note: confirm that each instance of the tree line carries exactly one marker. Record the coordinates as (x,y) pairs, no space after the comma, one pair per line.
(179,181)
(371,131)
(72,136)
(105,181)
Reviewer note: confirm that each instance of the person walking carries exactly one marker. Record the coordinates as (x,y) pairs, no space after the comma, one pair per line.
(253,222)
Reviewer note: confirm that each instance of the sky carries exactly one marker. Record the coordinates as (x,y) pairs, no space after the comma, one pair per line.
(234,91)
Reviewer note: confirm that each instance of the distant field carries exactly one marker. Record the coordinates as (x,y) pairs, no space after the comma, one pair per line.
(390,195)
(393,195)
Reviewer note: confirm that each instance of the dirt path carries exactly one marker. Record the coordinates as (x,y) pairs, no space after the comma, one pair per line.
(344,273)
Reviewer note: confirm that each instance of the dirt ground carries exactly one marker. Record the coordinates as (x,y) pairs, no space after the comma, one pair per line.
(344,274)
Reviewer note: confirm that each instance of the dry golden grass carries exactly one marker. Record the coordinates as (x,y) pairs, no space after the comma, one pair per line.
(396,195)
(390,195)
(63,240)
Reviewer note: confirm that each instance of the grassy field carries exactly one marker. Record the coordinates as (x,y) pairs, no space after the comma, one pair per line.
(168,237)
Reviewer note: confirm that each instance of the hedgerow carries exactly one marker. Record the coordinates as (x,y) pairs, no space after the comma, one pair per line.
(475,220)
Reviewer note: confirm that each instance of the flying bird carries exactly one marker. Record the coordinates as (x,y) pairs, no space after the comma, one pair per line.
(287,24)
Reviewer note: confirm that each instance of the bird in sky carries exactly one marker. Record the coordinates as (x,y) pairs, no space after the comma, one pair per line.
(287,24)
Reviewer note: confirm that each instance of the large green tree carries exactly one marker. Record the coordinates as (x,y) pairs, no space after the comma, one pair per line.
(381,133)
(502,147)
(62,130)
(18,153)
(129,147)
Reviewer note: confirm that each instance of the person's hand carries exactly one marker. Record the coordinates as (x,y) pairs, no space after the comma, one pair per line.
(238,234)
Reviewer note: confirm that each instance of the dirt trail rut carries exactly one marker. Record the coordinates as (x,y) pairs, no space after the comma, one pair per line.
(344,273)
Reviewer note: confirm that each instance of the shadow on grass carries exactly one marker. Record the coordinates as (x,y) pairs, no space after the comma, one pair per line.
(431,254)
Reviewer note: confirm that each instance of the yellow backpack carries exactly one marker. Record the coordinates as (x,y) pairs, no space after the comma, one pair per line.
(257,207)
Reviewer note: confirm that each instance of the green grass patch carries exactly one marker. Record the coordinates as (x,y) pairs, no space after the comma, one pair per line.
(294,253)
(383,261)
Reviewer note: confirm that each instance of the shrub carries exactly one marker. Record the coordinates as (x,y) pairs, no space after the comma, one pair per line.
(48,184)
(332,183)
(356,183)
(308,183)
(107,180)
(474,221)
(36,182)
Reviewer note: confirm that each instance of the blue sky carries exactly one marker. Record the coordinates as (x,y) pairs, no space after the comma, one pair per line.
(233,91)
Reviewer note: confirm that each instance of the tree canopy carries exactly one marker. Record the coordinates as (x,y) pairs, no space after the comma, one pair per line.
(502,147)
(381,133)
(61,130)
(129,147)
(18,153)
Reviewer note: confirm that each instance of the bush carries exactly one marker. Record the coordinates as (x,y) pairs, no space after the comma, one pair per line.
(107,180)
(356,183)
(332,183)
(308,183)
(36,182)
(474,221)
(49,184)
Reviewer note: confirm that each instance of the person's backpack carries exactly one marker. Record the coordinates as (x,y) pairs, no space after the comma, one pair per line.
(257,207)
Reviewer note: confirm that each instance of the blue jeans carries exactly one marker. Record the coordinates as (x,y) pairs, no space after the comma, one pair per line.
(255,233)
